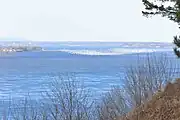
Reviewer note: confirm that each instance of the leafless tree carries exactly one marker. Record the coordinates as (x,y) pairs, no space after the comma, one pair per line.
(149,75)
(69,100)
(26,109)
(65,99)
(143,78)
(112,105)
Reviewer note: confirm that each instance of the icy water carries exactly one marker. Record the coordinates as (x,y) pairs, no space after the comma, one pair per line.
(98,65)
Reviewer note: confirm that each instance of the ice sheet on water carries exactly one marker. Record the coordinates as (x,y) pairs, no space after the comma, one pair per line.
(114,51)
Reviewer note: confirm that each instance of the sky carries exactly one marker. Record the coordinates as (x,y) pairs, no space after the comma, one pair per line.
(81,20)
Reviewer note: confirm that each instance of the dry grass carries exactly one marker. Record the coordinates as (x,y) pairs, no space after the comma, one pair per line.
(163,106)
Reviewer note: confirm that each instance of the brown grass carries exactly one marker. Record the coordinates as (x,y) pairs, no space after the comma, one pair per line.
(164,105)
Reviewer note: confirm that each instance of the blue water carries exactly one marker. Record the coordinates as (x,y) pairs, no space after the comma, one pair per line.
(98,67)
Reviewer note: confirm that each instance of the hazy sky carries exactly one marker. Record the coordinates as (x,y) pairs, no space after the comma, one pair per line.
(82,20)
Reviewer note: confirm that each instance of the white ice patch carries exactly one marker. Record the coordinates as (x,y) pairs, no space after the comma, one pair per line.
(115,51)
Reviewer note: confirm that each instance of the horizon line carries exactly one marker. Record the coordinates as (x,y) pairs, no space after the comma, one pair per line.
(95,41)
(133,41)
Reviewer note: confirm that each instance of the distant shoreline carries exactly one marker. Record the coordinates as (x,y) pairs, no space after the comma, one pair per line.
(22,48)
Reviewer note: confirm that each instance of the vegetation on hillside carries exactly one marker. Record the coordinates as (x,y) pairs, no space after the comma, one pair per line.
(164,105)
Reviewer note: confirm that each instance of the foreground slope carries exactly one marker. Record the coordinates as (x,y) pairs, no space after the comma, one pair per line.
(164,105)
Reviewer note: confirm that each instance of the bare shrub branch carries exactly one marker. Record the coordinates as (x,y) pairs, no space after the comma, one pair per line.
(68,100)
(148,76)
(112,105)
